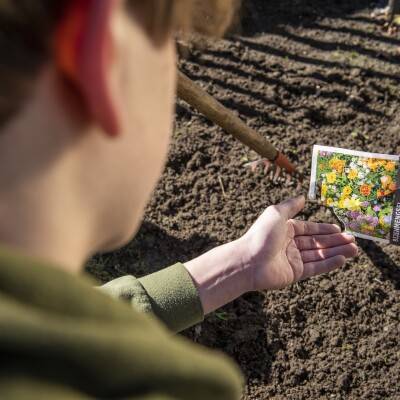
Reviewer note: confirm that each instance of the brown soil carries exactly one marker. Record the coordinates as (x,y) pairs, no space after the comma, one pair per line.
(300,72)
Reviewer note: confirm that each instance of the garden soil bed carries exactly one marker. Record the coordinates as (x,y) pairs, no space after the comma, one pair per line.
(300,72)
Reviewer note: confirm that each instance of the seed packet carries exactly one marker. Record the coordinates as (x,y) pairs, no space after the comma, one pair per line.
(363,190)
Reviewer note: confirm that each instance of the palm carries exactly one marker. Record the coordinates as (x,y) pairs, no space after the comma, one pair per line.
(288,265)
(285,250)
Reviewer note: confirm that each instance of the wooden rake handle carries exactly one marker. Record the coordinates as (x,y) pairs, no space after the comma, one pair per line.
(229,122)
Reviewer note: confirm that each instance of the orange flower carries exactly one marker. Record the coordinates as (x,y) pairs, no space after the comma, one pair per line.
(337,164)
(365,190)
(390,166)
(392,187)
(380,193)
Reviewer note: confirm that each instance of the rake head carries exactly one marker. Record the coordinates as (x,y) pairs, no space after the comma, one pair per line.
(281,167)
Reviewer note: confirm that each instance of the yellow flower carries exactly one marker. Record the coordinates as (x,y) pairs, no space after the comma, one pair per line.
(346,191)
(390,166)
(324,189)
(341,203)
(337,164)
(353,174)
(352,204)
(367,228)
(329,201)
(373,164)
(331,177)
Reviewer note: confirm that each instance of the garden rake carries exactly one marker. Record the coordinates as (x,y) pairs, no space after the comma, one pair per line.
(272,159)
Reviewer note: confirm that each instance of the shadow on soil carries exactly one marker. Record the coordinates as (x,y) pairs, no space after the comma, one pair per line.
(319,62)
(346,70)
(235,67)
(388,268)
(151,249)
(263,16)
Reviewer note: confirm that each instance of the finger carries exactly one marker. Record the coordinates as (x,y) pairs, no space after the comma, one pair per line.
(290,208)
(304,228)
(321,267)
(323,241)
(347,250)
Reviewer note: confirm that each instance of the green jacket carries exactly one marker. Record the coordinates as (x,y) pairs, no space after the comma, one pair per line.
(61,339)
(169,294)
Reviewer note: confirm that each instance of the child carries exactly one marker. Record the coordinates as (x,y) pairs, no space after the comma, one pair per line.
(87,108)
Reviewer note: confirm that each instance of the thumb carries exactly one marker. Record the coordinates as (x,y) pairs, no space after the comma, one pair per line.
(290,208)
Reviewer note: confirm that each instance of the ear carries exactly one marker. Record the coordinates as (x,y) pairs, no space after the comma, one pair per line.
(83,48)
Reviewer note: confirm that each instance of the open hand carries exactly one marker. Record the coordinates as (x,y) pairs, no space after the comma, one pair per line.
(279,250)
(275,252)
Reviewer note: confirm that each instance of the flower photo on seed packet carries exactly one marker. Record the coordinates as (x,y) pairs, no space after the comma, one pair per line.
(360,188)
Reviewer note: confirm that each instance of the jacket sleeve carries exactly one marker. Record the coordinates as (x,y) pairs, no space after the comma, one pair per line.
(169,294)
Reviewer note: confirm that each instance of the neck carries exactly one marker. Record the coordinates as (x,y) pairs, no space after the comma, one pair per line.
(40,184)
(42,230)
